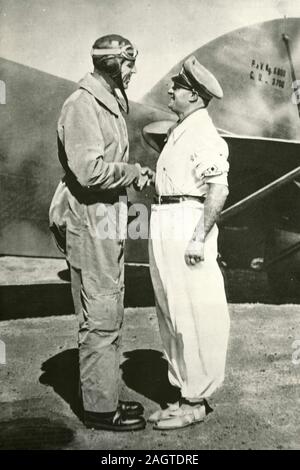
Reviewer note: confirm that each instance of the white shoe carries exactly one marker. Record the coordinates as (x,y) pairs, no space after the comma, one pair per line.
(185,416)
(167,413)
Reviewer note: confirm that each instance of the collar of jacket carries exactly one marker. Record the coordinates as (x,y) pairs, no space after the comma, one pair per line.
(197,118)
(100,89)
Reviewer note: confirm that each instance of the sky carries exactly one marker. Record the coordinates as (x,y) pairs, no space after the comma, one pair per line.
(56,36)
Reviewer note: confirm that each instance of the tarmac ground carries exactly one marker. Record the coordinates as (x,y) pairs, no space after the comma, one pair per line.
(258,406)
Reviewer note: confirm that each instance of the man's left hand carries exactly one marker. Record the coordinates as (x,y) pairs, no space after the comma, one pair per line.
(194,253)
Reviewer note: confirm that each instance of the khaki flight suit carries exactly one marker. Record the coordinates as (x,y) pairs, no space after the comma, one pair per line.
(93,149)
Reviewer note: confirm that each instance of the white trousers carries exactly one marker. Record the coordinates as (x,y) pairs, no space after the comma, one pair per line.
(190,300)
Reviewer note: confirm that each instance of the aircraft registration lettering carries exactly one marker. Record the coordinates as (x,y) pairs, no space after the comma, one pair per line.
(269,75)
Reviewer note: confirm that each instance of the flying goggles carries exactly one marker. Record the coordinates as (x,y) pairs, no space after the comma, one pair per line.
(128,52)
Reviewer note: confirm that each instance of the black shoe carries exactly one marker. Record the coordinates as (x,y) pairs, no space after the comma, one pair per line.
(130,409)
(113,421)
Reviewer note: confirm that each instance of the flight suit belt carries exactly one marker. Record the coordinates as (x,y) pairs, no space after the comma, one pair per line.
(174,199)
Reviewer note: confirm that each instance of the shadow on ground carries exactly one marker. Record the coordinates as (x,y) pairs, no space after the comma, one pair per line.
(64,275)
(48,299)
(144,371)
(54,298)
(61,372)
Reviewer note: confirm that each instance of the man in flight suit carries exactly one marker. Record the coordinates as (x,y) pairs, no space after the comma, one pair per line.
(93,150)
(191,183)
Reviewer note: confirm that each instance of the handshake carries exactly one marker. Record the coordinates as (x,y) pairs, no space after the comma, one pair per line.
(146,177)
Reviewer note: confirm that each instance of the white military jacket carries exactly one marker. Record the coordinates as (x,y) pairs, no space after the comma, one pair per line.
(193,156)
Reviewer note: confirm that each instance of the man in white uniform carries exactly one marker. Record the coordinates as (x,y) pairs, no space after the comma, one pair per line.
(191,184)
